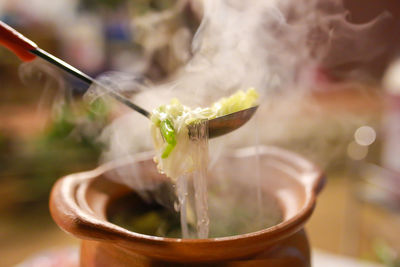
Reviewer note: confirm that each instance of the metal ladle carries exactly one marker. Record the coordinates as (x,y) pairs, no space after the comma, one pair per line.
(27,50)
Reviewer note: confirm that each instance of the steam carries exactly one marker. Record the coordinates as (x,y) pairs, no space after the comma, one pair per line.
(278,47)
(55,91)
(118,82)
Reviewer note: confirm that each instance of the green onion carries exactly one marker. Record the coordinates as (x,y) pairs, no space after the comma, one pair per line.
(167,150)
(168,132)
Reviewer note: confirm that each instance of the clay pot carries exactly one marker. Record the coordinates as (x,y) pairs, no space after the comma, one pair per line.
(79,205)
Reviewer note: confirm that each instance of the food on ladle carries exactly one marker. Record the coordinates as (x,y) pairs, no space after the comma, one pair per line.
(170,129)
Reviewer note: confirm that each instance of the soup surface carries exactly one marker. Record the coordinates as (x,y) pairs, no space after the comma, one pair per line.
(228,215)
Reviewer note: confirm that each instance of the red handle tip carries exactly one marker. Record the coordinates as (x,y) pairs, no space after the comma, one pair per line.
(16,42)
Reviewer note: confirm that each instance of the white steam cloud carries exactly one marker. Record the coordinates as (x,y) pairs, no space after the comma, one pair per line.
(275,46)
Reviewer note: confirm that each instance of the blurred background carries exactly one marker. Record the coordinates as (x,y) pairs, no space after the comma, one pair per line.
(47,131)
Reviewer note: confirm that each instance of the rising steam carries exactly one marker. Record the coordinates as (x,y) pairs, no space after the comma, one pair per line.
(277,47)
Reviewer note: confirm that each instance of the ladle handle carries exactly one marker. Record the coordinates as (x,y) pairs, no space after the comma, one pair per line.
(16,42)
(27,50)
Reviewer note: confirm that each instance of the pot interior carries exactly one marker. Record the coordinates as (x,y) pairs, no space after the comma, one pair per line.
(232,211)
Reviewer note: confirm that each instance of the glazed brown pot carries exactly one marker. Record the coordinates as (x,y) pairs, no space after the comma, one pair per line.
(79,205)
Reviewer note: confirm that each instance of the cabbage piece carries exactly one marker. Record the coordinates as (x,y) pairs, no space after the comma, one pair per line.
(236,102)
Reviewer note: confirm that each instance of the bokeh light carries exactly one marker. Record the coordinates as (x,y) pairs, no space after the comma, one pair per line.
(365,135)
(356,151)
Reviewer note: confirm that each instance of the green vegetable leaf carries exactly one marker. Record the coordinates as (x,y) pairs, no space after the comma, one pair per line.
(167,150)
(168,132)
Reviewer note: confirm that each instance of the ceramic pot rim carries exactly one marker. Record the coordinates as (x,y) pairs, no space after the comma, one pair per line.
(79,222)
